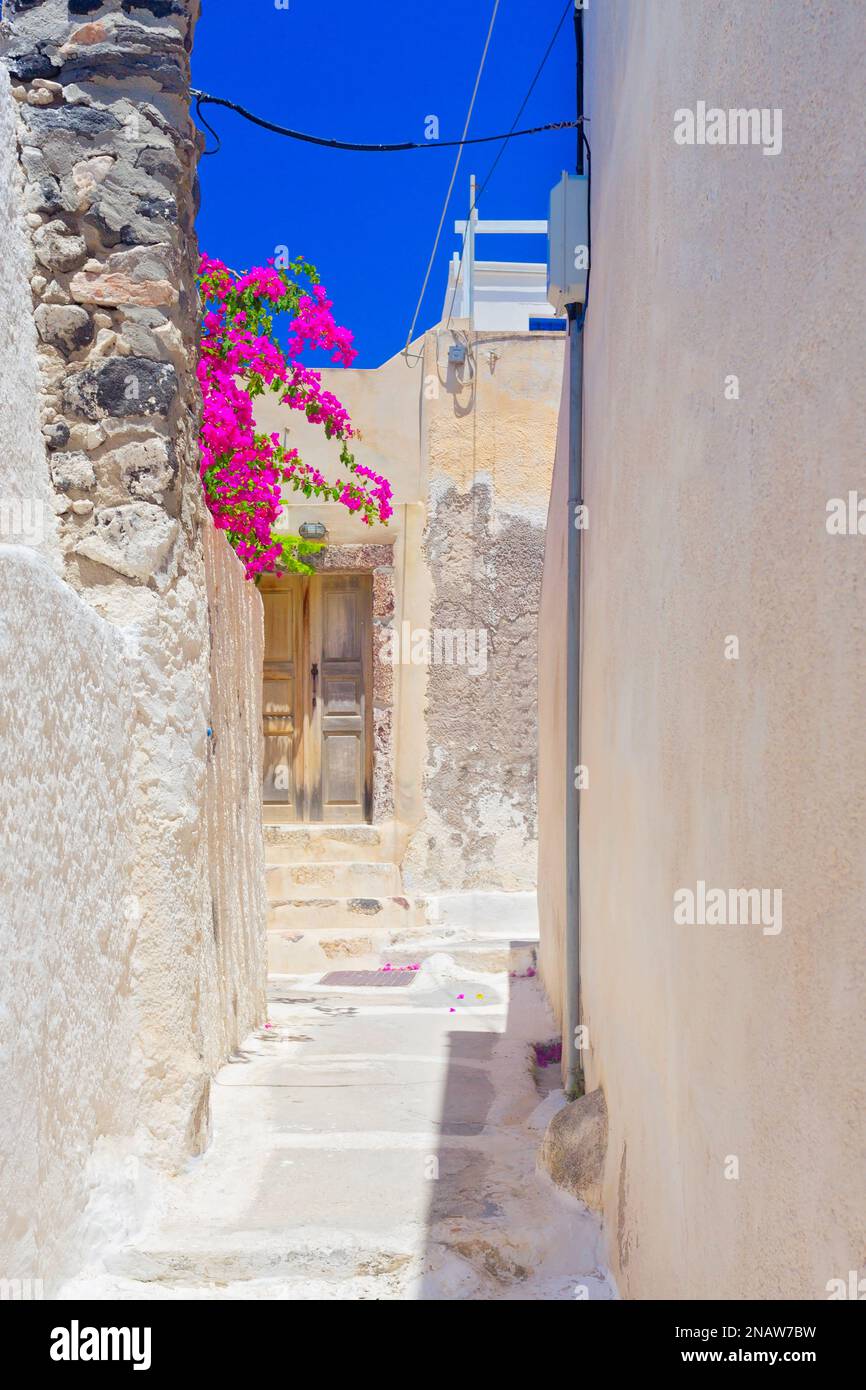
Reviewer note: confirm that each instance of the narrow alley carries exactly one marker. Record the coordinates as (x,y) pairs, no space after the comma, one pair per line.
(432,655)
(377,1139)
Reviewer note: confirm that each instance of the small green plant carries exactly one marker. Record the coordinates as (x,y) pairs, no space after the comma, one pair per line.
(294,549)
(578,1089)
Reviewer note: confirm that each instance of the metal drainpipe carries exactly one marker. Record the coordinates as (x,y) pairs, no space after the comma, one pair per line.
(572,1004)
(572,704)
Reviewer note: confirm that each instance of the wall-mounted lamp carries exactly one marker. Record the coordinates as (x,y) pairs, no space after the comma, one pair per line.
(313,530)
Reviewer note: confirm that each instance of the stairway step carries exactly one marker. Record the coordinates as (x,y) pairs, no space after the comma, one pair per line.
(302,844)
(317,949)
(340,914)
(321,879)
(308,934)
(488,957)
(239,1257)
(322,946)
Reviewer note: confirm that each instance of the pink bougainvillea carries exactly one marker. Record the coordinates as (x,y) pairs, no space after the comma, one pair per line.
(243,470)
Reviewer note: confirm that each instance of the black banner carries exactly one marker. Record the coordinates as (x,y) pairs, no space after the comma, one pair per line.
(179,1335)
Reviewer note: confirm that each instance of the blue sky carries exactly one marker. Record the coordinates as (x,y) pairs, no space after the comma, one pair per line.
(373,72)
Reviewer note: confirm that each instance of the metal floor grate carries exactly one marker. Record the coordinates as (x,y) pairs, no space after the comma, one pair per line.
(384,978)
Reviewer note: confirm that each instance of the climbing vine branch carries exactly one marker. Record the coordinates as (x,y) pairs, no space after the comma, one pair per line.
(244,470)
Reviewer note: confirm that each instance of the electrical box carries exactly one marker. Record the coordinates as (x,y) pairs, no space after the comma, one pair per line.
(568,242)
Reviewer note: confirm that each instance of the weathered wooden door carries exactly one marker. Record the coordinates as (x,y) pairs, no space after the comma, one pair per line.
(282,699)
(317,704)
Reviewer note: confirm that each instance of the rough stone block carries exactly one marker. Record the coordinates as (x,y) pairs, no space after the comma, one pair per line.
(65,326)
(136,540)
(57,248)
(56,435)
(146,467)
(122,386)
(73,470)
(574,1148)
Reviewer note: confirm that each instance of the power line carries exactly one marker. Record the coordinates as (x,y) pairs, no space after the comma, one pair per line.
(512,132)
(451,184)
(585,143)
(205,99)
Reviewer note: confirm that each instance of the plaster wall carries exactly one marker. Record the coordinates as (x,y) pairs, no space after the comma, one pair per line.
(68,912)
(234,799)
(489,443)
(470,461)
(132,887)
(26,496)
(69,915)
(707,520)
(552,766)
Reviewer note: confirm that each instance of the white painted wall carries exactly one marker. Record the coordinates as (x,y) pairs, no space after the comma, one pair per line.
(707,519)
(507,294)
(68,913)
(131,857)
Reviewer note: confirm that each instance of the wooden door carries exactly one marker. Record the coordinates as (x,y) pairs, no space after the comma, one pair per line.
(341,662)
(318,698)
(282,699)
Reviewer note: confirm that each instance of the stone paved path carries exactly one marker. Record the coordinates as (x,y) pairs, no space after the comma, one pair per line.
(373,1144)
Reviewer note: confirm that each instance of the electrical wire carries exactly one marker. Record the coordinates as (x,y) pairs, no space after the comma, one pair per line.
(451,184)
(585,307)
(512,132)
(205,99)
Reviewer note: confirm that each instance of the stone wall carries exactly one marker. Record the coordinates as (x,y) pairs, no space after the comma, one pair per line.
(158,697)
(108,155)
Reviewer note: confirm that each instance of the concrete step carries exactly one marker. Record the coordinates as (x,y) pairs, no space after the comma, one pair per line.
(309,934)
(238,1257)
(296,952)
(497,913)
(303,844)
(323,946)
(319,879)
(508,956)
(340,914)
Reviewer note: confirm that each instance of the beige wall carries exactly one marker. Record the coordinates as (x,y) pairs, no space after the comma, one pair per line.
(707,519)
(488,446)
(552,651)
(234,798)
(470,465)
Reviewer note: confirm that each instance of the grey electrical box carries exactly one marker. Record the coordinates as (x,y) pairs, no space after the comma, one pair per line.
(568,242)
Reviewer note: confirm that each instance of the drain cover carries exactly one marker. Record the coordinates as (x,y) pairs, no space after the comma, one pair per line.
(386,978)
